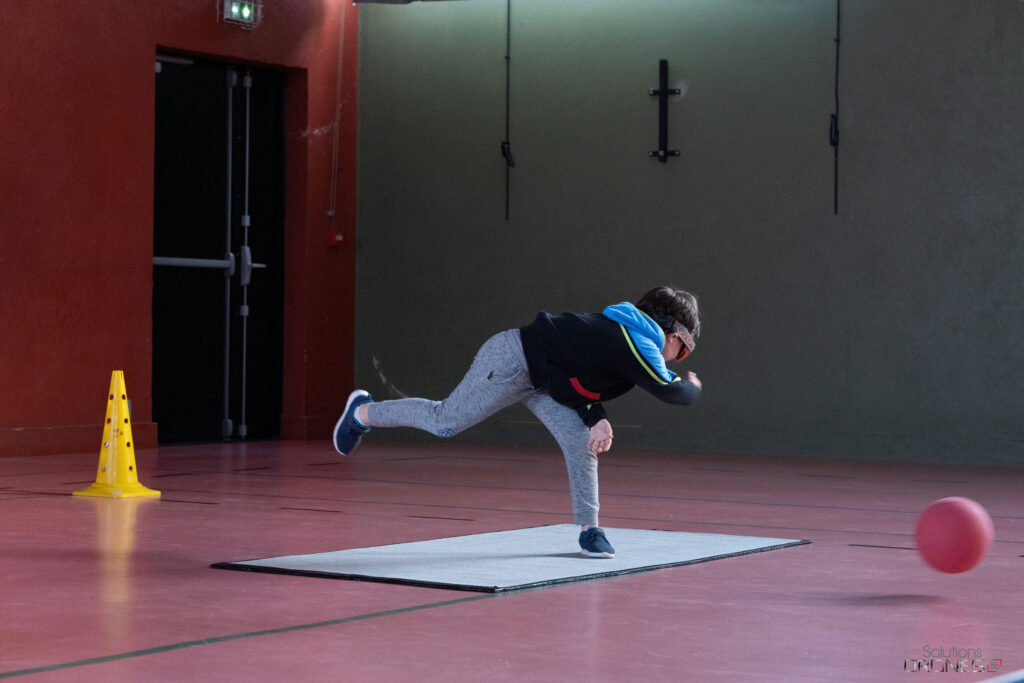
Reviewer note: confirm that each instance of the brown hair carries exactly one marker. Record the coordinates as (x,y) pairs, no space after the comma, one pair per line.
(666,304)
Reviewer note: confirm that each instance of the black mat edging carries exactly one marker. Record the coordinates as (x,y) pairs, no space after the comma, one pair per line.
(237,566)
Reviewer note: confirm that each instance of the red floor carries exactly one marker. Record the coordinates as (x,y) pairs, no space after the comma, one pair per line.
(99,589)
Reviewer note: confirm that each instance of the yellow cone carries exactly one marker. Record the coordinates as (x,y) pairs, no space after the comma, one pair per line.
(117,476)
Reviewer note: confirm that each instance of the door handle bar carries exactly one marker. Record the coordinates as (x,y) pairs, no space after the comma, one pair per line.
(227,264)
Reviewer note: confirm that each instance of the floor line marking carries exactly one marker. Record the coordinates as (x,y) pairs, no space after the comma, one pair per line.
(240,636)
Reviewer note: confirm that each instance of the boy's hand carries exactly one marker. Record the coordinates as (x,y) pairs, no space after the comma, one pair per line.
(692,377)
(601,437)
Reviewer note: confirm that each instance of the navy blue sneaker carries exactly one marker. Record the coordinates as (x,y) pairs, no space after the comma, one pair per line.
(594,543)
(348,432)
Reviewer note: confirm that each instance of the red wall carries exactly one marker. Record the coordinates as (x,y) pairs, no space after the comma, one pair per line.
(76,206)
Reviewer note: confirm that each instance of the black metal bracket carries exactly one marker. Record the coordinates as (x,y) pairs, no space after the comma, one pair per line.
(662,93)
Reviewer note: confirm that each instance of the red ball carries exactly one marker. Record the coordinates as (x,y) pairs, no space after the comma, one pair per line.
(953,534)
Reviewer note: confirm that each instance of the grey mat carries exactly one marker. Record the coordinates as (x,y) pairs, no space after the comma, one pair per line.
(513,560)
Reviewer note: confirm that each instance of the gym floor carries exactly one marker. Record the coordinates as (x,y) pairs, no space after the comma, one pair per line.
(122,589)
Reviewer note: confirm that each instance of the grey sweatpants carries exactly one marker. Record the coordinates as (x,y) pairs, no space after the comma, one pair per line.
(498,378)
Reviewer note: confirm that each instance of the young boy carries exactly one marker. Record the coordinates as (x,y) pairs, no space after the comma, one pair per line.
(561,367)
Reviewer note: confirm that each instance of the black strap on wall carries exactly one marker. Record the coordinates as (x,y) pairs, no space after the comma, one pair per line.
(833,129)
(506,146)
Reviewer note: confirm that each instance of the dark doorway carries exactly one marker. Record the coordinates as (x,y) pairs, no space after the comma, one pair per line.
(218,275)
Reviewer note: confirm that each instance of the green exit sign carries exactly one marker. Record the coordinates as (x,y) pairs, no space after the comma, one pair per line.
(247,13)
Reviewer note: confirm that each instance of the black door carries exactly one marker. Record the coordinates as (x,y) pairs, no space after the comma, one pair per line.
(218,251)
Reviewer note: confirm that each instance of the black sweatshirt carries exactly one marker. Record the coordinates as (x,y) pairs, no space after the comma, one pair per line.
(581,359)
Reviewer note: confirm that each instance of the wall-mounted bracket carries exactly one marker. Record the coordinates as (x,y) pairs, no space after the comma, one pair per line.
(662,93)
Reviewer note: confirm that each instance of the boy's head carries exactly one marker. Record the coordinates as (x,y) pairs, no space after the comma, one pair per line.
(676,312)
(667,306)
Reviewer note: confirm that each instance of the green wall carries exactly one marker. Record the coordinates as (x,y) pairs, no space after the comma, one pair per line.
(889,330)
